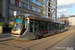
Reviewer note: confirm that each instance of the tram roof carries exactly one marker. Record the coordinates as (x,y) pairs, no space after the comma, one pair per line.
(59,22)
(31,15)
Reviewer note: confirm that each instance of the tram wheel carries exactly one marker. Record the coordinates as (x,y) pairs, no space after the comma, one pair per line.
(37,37)
(43,36)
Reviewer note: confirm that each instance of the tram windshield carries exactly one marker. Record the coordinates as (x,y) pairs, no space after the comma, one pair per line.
(18,23)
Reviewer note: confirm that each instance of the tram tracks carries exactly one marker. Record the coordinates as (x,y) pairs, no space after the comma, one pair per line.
(12,43)
(38,42)
(8,43)
(58,42)
(33,46)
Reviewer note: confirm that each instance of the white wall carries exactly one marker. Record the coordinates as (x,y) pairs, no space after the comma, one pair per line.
(71,21)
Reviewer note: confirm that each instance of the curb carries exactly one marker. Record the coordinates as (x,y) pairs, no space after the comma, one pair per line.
(6,39)
(4,33)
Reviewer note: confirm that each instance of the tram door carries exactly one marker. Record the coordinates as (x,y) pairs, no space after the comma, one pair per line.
(32,29)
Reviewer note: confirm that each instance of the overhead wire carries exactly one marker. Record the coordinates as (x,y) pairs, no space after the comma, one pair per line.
(66,6)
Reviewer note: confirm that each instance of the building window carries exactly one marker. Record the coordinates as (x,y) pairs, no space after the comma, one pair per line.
(22,4)
(26,6)
(54,2)
(18,12)
(51,10)
(30,7)
(49,4)
(42,0)
(11,15)
(51,0)
(17,2)
(48,14)
(52,6)
(48,9)
(46,1)
(11,12)
(36,2)
(36,9)
(14,2)
(51,15)
(41,11)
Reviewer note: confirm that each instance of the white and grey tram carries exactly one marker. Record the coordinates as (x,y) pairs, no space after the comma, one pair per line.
(28,26)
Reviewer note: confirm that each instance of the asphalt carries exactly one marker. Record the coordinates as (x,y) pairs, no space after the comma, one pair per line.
(56,42)
(5,37)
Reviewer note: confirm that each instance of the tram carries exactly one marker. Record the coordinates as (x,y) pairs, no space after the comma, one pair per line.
(28,26)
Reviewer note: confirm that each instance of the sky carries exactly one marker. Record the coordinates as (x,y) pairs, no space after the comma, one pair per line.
(66,7)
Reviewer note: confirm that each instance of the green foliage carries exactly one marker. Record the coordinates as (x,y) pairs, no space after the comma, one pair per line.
(10,26)
(3,24)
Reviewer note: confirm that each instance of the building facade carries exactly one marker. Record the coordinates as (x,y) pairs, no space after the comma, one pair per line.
(52,9)
(4,10)
(71,20)
(65,20)
(43,8)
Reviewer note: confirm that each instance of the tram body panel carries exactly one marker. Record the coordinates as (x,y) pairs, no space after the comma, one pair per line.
(28,31)
(31,30)
(26,35)
(50,32)
(37,33)
(56,30)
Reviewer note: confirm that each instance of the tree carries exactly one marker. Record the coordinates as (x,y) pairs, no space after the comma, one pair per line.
(62,15)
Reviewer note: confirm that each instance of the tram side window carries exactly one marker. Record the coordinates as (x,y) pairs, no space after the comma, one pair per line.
(50,26)
(56,25)
(31,26)
(42,26)
(59,26)
(26,24)
(36,26)
(63,26)
(46,26)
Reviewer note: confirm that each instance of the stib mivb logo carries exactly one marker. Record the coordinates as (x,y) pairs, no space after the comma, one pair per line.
(63,48)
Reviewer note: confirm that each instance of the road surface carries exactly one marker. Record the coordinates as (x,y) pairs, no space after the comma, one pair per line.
(5,35)
(62,41)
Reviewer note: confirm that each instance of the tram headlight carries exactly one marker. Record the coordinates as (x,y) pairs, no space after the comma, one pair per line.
(18,31)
